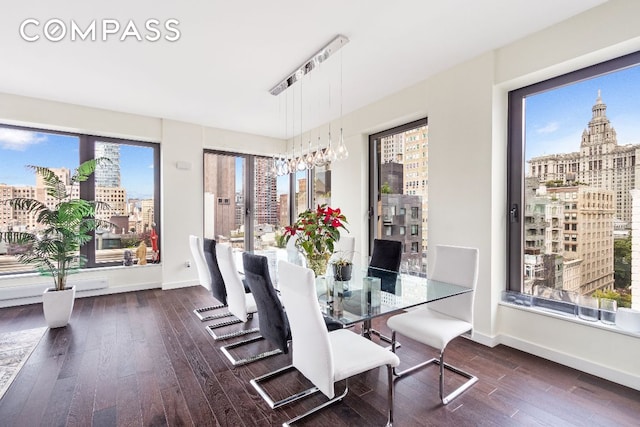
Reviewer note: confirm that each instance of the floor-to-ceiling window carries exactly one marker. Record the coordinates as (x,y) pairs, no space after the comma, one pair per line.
(248,205)
(128,184)
(399,182)
(573,146)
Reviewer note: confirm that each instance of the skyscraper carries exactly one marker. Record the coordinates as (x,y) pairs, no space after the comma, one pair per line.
(107,173)
(600,163)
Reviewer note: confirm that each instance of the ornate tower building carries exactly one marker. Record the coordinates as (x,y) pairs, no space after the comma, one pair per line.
(600,163)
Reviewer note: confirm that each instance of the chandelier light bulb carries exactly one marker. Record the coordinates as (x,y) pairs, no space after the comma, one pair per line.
(283,169)
(293,165)
(273,170)
(309,160)
(341,152)
(329,153)
(318,158)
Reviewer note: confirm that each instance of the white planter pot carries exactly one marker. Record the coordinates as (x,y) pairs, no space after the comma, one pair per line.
(57,306)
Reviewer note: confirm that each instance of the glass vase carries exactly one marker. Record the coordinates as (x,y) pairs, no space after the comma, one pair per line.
(318,263)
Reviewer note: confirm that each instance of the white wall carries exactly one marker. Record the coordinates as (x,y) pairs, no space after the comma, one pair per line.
(181,189)
(467,110)
(466,107)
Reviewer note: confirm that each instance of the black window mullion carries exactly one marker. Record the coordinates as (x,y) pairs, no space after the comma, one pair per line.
(249,204)
(88,192)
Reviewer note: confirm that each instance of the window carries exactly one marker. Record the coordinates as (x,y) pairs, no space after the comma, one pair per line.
(321,185)
(129,184)
(575,160)
(395,188)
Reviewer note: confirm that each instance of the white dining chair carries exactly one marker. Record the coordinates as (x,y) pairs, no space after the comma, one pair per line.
(343,249)
(323,357)
(438,322)
(240,304)
(205,279)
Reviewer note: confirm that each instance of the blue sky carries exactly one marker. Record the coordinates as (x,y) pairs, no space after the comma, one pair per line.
(556,119)
(19,148)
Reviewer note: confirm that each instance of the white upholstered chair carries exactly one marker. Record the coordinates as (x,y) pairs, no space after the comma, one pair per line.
(437,323)
(343,249)
(324,358)
(240,304)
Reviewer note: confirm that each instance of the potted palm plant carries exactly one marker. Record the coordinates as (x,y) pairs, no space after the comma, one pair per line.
(64,224)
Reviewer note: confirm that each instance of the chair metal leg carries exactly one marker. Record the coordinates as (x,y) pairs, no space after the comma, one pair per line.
(391,394)
(198,312)
(276,404)
(471,379)
(211,329)
(239,333)
(367,331)
(319,407)
(239,362)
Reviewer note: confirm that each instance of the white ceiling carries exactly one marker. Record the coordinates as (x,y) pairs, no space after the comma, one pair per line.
(230,53)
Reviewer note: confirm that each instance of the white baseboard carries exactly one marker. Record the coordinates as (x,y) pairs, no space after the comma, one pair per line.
(32,294)
(178,285)
(571,361)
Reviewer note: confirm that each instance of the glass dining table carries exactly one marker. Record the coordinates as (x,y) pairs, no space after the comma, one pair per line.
(373,292)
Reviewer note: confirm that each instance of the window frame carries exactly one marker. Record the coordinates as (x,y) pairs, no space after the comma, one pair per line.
(375,194)
(516,166)
(86,151)
(250,189)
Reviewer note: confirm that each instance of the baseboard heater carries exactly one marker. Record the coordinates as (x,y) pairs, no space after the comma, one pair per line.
(30,291)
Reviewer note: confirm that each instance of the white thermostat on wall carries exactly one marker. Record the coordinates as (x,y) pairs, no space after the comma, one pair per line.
(183,165)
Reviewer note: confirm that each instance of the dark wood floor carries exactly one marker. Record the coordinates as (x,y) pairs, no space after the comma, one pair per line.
(144,359)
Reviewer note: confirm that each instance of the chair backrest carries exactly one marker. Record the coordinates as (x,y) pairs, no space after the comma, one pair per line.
(217,282)
(204,276)
(387,255)
(312,354)
(272,320)
(236,301)
(293,254)
(457,265)
(343,249)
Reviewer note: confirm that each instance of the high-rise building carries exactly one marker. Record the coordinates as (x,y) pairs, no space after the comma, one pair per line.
(266,197)
(416,173)
(15,219)
(220,183)
(107,173)
(600,163)
(568,238)
(588,234)
(392,148)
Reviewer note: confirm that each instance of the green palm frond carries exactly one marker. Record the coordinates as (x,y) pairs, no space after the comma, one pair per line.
(86,169)
(28,205)
(54,187)
(63,229)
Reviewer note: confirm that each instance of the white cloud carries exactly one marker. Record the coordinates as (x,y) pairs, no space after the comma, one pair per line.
(19,140)
(548,128)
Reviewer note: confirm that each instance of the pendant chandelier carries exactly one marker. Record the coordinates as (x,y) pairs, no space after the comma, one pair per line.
(324,153)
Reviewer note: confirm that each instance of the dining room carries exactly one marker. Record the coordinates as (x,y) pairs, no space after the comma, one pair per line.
(135,353)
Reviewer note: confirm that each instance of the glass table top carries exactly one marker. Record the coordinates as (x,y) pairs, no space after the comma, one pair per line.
(373,292)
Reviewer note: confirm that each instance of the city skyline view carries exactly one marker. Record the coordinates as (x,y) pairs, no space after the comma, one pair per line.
(19,148)
(556,119)
(582,142)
